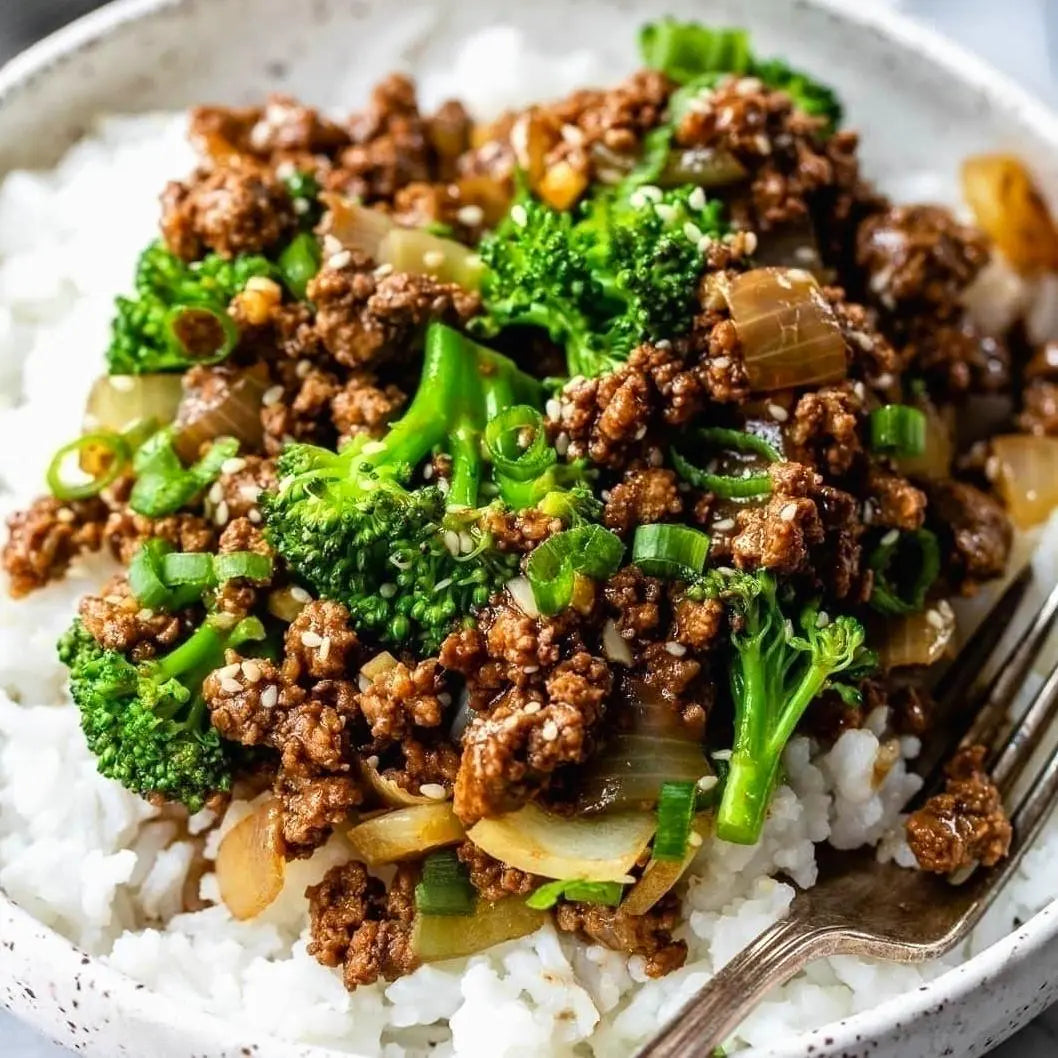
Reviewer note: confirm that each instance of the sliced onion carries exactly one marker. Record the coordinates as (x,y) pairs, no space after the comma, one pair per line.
(793,245)
(789,333)
(410,250)
(934,464)
(228,405)
(562,185)
(1025,471)
(1010,209)
(659,876)
(602,848)
(250,862)
(704,166)
(917,639)
(521,591)
(117,402)
(390,792)
(655,748)
(437,937)
(405,833)
(379,665)
(287,603)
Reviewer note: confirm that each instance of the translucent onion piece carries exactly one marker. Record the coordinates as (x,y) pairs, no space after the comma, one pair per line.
(250,862)
(917,639)
(602,848)
(703,166)
(229,406)
(521,591)
(437,937)
(390,792)
(934,464)
(789,333)
(405,833)
(1026,476)
(356,227)
(562,185)
(659,876)
(793,245)
(379,665)
(284,604)
(116,402)
(1009,208)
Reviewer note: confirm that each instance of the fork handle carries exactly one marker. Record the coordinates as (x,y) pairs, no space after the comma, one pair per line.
(713,1012)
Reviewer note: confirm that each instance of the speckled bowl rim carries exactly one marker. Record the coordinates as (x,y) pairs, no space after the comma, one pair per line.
(64,960)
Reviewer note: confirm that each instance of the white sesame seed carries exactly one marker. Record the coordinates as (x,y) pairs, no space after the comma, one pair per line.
(705,244)
(467,544)
(934,618)
(216,492)
(340,260)
(789,512)
(531,708)
(724,524)
(250,493)
(696,199)
(722,362)
(451,540)
(664,344)
(641,433)
(655,458)
(302,206)
(383,270)
(530,669)
(778,412)
(883,381)
(331,245)
(550,731)
(562,443)
(553,408)
(860,390)
(270,696)
(992,468)
(254,516)
(518,215)
(692,231)
(707,782)
(311,639)
(433,258)
(721,754)
(252,671)
(427,472)
(434,790)
(677,650)
(228,671)
(220,515)
(145,614)
(272,395)
(233,465)
(443,486)
(890,538)
(666,212)
(363,682)
(230,686)
(749,241)
(651,193)
(325,648)
(64,514)
(298,594)
(470,215)
(303,368)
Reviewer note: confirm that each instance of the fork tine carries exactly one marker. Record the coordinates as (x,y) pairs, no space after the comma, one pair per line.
(1024,740)
(1037,803)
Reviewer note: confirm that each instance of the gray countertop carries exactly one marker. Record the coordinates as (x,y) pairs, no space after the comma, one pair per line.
(1019,36)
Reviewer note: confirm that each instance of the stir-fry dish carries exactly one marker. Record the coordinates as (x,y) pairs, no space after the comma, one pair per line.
(505,496)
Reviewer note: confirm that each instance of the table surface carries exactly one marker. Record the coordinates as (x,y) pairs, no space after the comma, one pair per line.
(1019,36)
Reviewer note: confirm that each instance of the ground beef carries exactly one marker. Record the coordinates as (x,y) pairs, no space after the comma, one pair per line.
(697,623)
(239,488)
(956,358)
(426,759)
(302,411)
(642,497)
(872,357)
(117,621)
(825,430)
(519,531)
(492,879)
(976,529)
(1039,414)
(648,935)
(634,601)
(365,315)
(402,698)
(895,502)
(320,643)
(362,406)
(311,806)
(919,258)
(965,824)
(356,924)
(229,210)
(46,537)
(125,532)
(838,561)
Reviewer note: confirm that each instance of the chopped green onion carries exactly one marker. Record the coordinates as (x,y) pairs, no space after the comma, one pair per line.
(145,577)
(246,564)
(163,484)
(549,894)
(674,552)
(675,815)
(685,50)
(445,888)
(727,486)
(517,443)
(112,460)
(553,565)
(202,334)
(905,566)
(299,262)
(899,430)
(188,567)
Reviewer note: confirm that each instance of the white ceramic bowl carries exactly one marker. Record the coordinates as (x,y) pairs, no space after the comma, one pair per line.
(922,105)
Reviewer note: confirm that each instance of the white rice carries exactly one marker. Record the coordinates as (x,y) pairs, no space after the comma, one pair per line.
(101,867)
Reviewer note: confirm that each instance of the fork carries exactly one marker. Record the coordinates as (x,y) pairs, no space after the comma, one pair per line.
(862,907)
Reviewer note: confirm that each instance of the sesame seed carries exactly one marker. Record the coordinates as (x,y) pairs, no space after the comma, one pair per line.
(228,671)
(331,245)
(724,524)
(778,412)
(890,538)
(655,458)
(884,380)
(302,206)
(311,639)
(666,212)
(145,614)
(220,515)
(663,344)
(677,650)
(696,199)
(749,241)
(705,244)
(230,686)
(254,516)
(216,492)
(992,467)
(572,134)
(272,395)
(789,512)
(451,540)
(325,648)
(64,514)
(531,708)
(363,682)
(433,258)
(530,669)
(467,543)
(722,362)
(651,193)
(860,390)
(303,368)
(550,731)
(427,472)
(707,782)
(562,443)
(383,270)
(935,619)
(641,433)
(471,215)
(250,493)
(270,696)
(553,408)
(252,671)
(722,754)
(298,594)
(518,215)
(340,260)
(822,619)
(233,465)
(692,231)
(434,790)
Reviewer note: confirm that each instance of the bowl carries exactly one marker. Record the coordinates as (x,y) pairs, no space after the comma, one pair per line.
(922,103)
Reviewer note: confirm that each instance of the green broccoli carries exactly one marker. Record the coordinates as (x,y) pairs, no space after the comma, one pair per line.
(622,270)
(775,674)
(409,560)
(147,723)
(178,316)
(697,56)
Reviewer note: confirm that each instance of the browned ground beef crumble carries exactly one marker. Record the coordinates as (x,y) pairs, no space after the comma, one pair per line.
(543,694)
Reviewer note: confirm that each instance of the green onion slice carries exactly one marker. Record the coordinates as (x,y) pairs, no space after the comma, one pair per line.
(188,567)
(246,564)
(727,486)
(676,805)
(106,451)
(549,894)
(899,430)
(553,565)
(674,552)
(905,566)
(445,888)
(299,262)
(201,334)
(517,443)
(145,574)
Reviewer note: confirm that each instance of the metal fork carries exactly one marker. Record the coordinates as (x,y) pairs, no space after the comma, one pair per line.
(862,907)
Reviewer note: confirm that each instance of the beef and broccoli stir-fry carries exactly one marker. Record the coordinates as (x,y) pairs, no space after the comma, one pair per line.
(503,497)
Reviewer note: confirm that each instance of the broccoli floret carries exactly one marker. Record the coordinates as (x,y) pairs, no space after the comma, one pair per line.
(147,723)
(408,560)
(622,270)
(776,671)
(178,316)
(698,56)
